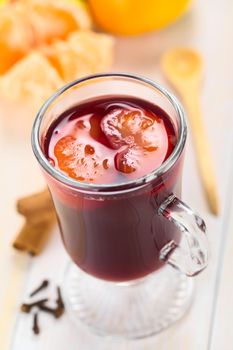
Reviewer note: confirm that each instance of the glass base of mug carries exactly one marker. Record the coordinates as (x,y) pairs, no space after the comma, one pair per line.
(136,309)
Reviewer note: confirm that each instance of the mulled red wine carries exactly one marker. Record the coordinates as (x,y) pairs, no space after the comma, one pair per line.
(111,141)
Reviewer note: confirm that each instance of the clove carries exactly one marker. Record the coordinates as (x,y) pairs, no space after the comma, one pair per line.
(59,310)
(35,326)
(59,300)
(56,312)
(41,305)
(42,286)
(27,307)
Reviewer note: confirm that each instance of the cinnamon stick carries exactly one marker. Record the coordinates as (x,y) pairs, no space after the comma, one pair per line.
(40,217)
(33,206)
(33,237)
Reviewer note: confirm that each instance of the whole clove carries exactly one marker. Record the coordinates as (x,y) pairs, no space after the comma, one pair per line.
(42,286)
(56,312)
(59,300)
(35,326)
(27,307)
(41,305)
(59,310)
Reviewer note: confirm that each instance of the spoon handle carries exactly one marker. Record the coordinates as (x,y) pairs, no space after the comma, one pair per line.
(204,158)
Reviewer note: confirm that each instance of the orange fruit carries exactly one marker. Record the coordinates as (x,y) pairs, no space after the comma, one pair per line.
(125,127)
(78,160)
(129,160)
(136,16)
(32,78)
(23,89)
(16,37)
(25,24)
(84,52)
(52,19)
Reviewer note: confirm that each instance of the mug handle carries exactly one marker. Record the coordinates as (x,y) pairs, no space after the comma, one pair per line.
(190,256)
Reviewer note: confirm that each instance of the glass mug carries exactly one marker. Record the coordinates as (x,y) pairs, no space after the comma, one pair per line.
(124,238)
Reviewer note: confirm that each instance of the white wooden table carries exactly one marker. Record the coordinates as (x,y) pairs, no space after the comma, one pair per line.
(208,325)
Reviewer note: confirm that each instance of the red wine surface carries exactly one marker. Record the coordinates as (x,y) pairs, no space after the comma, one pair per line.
(110,140)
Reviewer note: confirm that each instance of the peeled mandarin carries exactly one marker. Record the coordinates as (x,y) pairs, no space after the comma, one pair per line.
(127,127)
(84,52)
(16,36)
(78,160)
(129,160)
(26,24)
(52,19)
(32,78)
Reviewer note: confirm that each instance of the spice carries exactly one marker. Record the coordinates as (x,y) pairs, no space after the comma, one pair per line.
(27,307)
(56,312)
(59,300)
(39,213)
(42,286)
(59,310)
(33,206)
(35,326)
(32,237)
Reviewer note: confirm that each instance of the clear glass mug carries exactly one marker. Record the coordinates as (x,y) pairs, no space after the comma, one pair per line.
(123,239)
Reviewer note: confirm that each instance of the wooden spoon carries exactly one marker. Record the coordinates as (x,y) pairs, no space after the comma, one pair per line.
(183,67)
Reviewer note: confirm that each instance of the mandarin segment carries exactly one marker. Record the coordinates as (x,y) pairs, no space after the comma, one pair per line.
(129,160)
(53,19)
(134,133)
(27,24)
(130,127)
(32,78)
(84,53)
(16,36)
(97,47)
(78,160)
